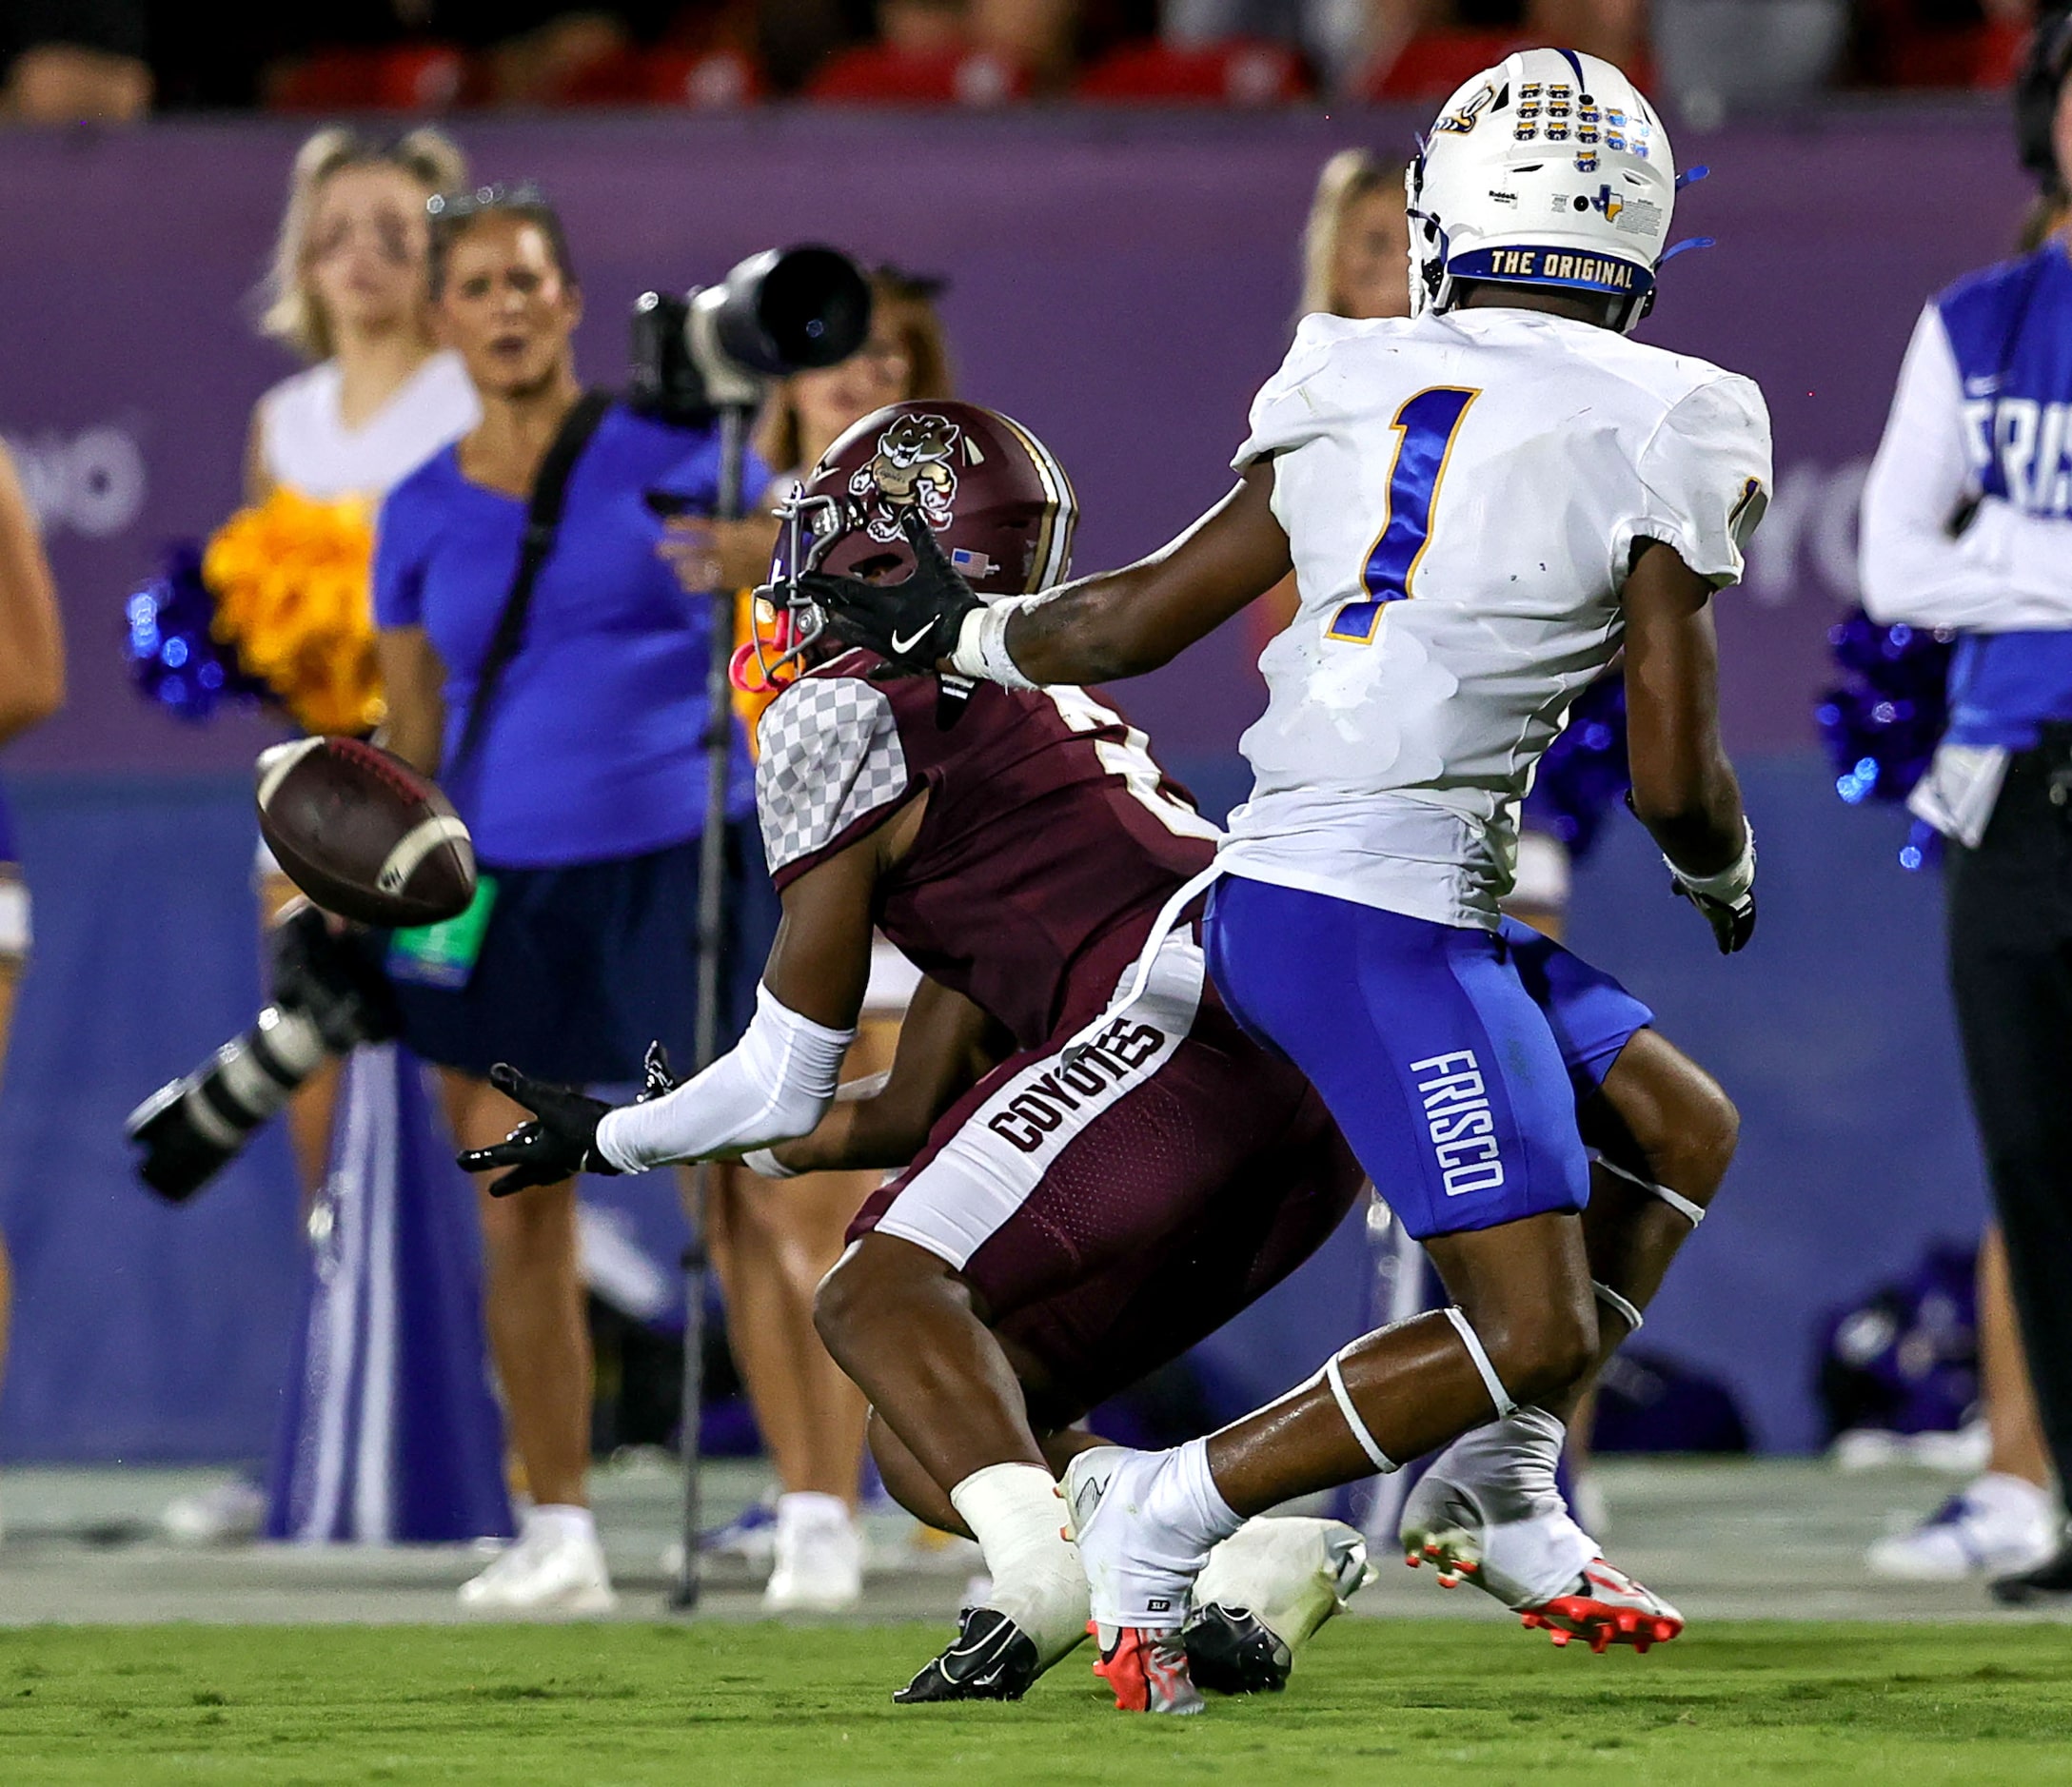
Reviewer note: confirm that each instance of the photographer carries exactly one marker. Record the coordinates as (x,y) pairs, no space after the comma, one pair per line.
(1967,524)
(572,746)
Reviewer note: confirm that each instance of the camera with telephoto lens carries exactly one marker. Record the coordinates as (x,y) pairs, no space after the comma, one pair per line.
(781,311)
(328,996)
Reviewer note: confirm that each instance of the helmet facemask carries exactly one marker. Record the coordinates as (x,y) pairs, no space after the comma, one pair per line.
(786,623)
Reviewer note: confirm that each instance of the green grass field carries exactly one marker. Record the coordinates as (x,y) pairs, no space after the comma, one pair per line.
(740,1705)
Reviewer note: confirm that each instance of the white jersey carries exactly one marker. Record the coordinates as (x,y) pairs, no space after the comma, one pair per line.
(1461,494)
(304,442)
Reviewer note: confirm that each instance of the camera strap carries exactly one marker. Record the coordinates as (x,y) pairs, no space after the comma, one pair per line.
(543,522)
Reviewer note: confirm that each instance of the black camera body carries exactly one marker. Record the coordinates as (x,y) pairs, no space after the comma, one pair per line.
(328,996)
(781,311)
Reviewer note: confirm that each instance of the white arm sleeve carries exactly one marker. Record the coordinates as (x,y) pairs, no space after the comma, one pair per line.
(2007,572)
(777,1083)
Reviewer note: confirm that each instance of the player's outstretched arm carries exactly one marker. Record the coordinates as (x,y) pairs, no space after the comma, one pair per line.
(774,1085)
(946,1045)
(1122,624)
(1119,624)
(1684,788)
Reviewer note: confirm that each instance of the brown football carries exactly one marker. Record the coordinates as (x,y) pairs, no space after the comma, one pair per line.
(363,833)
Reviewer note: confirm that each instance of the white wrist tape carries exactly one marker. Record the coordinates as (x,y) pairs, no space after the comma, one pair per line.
(777,1082)
(1733,882)
(981,644)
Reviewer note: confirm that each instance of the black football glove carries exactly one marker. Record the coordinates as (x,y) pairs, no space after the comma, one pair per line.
(562,1140)
(1730,915)
(559,1143)
(1732,921)
(914,623)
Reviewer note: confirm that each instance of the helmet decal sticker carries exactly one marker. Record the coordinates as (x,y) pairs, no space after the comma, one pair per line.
(913,465)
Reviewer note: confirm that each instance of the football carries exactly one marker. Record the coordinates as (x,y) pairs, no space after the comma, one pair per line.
(363,833)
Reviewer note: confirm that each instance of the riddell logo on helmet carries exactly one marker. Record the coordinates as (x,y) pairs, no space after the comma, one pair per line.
(913,464)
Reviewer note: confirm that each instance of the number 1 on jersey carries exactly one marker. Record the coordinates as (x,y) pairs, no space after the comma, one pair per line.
(1425,428)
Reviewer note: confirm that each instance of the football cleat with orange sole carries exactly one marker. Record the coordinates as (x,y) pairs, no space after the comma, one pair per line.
(1607,1607)
(1147,1670)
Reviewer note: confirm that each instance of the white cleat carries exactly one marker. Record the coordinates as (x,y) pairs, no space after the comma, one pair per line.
(1263,1593)
(1139,1603)
(552,1571)
(820,1557)
(1998,1525)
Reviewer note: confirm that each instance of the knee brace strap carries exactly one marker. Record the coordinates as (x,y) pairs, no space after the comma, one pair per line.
(1493,1383)
(1692,1214)
(1618,1304)
(1335,1378)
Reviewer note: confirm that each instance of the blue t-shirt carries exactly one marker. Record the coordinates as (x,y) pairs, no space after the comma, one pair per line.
(2010,329)
(593,748)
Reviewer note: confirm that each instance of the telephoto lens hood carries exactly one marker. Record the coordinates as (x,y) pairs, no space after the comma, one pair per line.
(328,997)
(781,311)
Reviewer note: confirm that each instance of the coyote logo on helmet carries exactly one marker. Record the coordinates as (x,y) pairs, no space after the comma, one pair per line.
(913,464)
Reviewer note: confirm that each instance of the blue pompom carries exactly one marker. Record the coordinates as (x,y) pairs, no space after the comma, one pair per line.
(1881,723)
(1584,773)
(174,658)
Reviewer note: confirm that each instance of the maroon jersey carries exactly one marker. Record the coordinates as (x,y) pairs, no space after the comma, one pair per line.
(1051,838)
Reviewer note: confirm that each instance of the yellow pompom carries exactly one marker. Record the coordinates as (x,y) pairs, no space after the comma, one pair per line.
(293,582)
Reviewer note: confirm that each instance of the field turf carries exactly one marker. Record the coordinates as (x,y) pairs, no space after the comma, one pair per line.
(740,1705)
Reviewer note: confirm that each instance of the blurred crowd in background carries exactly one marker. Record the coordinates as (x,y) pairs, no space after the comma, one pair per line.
(115,60)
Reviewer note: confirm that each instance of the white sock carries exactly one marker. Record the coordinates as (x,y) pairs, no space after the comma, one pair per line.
(1185,1501)
(1016,1516)
(560,1520)
(1509,1464)
(1531,1542)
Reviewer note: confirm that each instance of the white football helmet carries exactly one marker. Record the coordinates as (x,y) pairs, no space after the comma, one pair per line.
(1549,169)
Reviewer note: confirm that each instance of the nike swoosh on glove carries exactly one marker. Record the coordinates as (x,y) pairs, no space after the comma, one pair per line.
(914,623)
(559,1143)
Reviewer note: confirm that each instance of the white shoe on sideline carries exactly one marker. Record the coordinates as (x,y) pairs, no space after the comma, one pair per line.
(818,1556)
(1998,1525)
(557,1567)
(230,1514)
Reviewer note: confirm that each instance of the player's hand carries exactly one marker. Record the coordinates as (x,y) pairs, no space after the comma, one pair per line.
(559,1143)
(914,623)
(1726,898)
(1732,921)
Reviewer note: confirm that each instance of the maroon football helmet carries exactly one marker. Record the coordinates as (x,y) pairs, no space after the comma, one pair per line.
(999,501)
